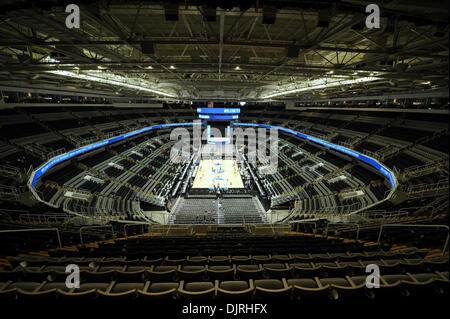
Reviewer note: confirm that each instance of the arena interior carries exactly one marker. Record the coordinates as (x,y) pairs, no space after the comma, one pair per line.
(188,153)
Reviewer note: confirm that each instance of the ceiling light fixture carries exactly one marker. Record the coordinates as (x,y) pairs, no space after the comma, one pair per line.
(237,67)
(322,86)
(108,81)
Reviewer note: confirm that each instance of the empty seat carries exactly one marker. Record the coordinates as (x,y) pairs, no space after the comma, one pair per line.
(122,290)
(162,273)
(235,289)
(276,270)
(191,272)
(308,289)
(271,288)
(196,290)
(246,272)
(220,272)
(164,290)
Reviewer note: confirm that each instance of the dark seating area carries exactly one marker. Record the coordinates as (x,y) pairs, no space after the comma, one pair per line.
(21,130)
(402,161)
(404,134)
(441,143)
(287,268)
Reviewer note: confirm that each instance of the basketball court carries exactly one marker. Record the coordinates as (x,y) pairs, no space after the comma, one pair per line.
(218,173)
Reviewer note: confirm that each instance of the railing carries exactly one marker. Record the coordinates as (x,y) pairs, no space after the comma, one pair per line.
(87,141)
(298,222)
(421,188)
(426,226)
(56,152)
(134,224)
(345,227)
(35,229)
(96,226)
(11,170)
(43,218)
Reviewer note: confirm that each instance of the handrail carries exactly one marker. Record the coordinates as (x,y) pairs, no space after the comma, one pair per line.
(421,225)
(304,222)
(347,224)
(127,225)
(95,226)
(35,229)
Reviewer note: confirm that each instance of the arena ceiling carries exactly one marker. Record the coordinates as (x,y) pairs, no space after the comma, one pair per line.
(248,50)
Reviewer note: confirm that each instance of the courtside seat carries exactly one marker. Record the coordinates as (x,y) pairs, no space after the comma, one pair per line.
(235,289)
(159,290)
(191,272)
(271,288)
(219,272)
(196,290)
(308,289)
(245,272)
(162,273)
